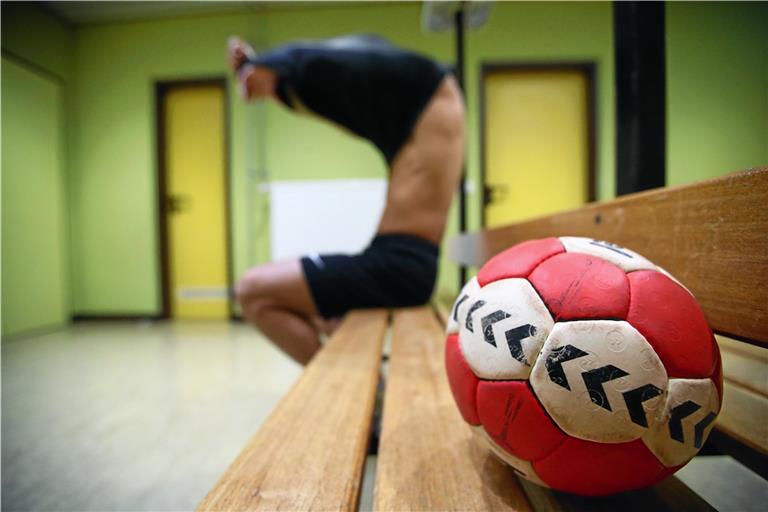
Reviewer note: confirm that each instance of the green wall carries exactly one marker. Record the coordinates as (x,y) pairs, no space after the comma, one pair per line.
(36,70)
(717,102)
(34,277)
(717,114)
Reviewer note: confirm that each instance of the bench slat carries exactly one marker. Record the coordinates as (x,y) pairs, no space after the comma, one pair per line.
(745,365)
(309,454)
(712,235)
(427,457)
(744,417)
(670,495)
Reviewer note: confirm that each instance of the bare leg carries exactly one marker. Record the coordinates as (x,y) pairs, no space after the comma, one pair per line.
(275,299)
(292,333)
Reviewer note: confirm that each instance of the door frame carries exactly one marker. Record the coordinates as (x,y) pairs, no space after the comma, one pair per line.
(161,89)
(588,68)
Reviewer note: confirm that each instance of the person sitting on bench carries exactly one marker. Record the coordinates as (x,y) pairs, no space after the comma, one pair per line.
(412,110)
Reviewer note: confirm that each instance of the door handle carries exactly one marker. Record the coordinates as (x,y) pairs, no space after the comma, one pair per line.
(177,203)
(493,193)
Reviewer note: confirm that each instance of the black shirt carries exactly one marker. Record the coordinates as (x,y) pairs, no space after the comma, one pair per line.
(362,83)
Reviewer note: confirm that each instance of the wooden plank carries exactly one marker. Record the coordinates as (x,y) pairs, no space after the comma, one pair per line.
(427,457)
(744,417)
(745,365)
(669,495)
(309,453)
(712,235)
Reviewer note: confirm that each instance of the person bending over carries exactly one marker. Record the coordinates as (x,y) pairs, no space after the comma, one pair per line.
(412,110)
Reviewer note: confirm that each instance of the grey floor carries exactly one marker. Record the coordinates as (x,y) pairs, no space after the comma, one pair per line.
(131,417)
(146,417)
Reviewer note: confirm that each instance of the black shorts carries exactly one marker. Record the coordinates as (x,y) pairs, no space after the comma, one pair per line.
(393,271)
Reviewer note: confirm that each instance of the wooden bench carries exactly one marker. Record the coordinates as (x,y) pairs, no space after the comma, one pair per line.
(311,452)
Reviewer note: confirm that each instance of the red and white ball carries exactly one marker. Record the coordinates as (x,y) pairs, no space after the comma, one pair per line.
(583,365)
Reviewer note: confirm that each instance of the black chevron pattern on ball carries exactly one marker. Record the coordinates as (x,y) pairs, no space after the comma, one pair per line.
(456,307)
(477,305)
(487,325)
(698,430)
(676,416)
(555,360)
(634,399)
(594,380)
(515,337)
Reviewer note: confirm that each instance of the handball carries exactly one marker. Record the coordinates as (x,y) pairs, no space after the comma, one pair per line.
(583,366)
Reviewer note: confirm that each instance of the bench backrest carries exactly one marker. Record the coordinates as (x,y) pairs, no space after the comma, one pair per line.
(712,236)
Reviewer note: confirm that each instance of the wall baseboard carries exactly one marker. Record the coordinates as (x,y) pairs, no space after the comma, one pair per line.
(115,317)
(34,331)
(123,317)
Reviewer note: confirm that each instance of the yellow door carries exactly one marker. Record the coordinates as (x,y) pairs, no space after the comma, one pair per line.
(536,137)
(195,183)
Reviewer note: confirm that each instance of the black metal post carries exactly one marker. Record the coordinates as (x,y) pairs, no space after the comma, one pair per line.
(459,20)
(640,95)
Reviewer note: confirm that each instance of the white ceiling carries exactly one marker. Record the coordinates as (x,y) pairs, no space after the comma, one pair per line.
(94,12)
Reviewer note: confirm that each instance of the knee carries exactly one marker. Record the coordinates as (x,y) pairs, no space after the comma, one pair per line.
(255,312)
(252,306)
(252,288)
(267,287)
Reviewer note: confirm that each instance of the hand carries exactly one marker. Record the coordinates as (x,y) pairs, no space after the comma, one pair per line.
(238,51)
